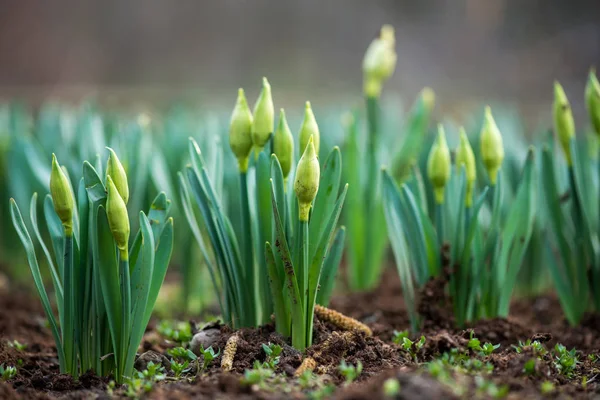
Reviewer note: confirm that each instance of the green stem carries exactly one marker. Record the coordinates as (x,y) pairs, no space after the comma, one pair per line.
(370,194)
(69,304)
(439,224)
(125,284)
(305,263)
(247,315)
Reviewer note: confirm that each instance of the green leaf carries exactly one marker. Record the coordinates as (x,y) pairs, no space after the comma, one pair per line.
(330,268)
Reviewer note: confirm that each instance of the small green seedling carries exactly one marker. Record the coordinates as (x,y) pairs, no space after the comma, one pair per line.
(565,360)
(208,355)
(475,345)
(529,367)
(182,353)
(391,387)
(19,346)
(547,387)
(180,332)
(413,348)
(258,375)
(399,336)
(273,351)
(349,371)
(7,372)
(489,388)
(179,368)
(143,382)
(538,349)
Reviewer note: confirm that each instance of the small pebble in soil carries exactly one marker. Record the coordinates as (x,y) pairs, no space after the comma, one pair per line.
(150,356)
(204,338)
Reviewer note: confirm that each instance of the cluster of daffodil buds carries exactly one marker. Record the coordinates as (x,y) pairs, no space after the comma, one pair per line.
(466,157)
(492,148)
(438,165)
(306,184)
(592,101)
(62,196)
(379,62)
(116,203)
(564,125)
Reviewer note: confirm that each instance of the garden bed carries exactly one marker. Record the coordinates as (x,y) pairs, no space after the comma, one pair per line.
(464,372)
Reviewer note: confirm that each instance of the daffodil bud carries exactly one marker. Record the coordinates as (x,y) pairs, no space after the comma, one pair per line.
(118,219)
(592,101)
(264,117)
(465,156)
(115,170)
(306,185)
(379,61)
(309,128)
(492,148)
(240,131)
(283,145)
(564,125)
(438,165)
(62,197)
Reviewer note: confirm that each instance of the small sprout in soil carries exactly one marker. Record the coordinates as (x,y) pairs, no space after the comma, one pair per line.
(307,380)
(258,375)
(143,382)
(413,348)
(182,353)
(565,361)
(7,372)
(207,356)
(180,332)
(529,367)
(475,345)
(349,371)
(538,349)
(324,392)
(391,387)
(273,351)
(16,345)
(592,357)
(547,387)
(399,336)
(489,388)
(179,368)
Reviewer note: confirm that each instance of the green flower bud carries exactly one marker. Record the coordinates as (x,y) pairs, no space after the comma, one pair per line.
(465,156)
(309,128)
(283,145)
(118,218)
(115,169)
(492,148)
(306,185)
(379,62)
(592,101)
(264,117)
(564,125)
(62,197)
(438,165)
(240,131)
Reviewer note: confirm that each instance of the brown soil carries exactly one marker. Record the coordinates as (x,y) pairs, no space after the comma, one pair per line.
(21,318)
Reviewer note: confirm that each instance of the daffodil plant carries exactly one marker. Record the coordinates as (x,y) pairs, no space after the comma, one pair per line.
(364,213)
(105,285)
(235,251)
(481,260)
(574,220)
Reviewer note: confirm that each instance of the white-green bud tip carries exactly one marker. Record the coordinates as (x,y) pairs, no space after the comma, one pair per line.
(438,165)
(492,147)
(62,197)
(379,62)
(466,157)
(592,101)
(264,116)
(283,144)
(564,124)
(118,218)
(309,128)
(116,171)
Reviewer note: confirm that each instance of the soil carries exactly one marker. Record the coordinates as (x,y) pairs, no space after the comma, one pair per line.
(383,361)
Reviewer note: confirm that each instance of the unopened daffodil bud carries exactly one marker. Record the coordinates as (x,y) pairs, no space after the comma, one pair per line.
(564,125)
(466,157)
(592,101)
(492,148)
(379,62)
(309,128)
(118,218)
(283,145)
(438,165)
(240,131)
(264,117)
(115,170)
(62,197)
(306,185)
(427,98)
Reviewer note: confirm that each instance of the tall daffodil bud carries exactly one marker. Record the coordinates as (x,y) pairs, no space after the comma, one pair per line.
(564,125)
(438,165)
(465,156)
(309,128)
(115,170)
(118,219)
(379,62)
(592,101)
(240,131)
(264,117)
(62,197)
(283,145)
(306,185)
(492,148)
